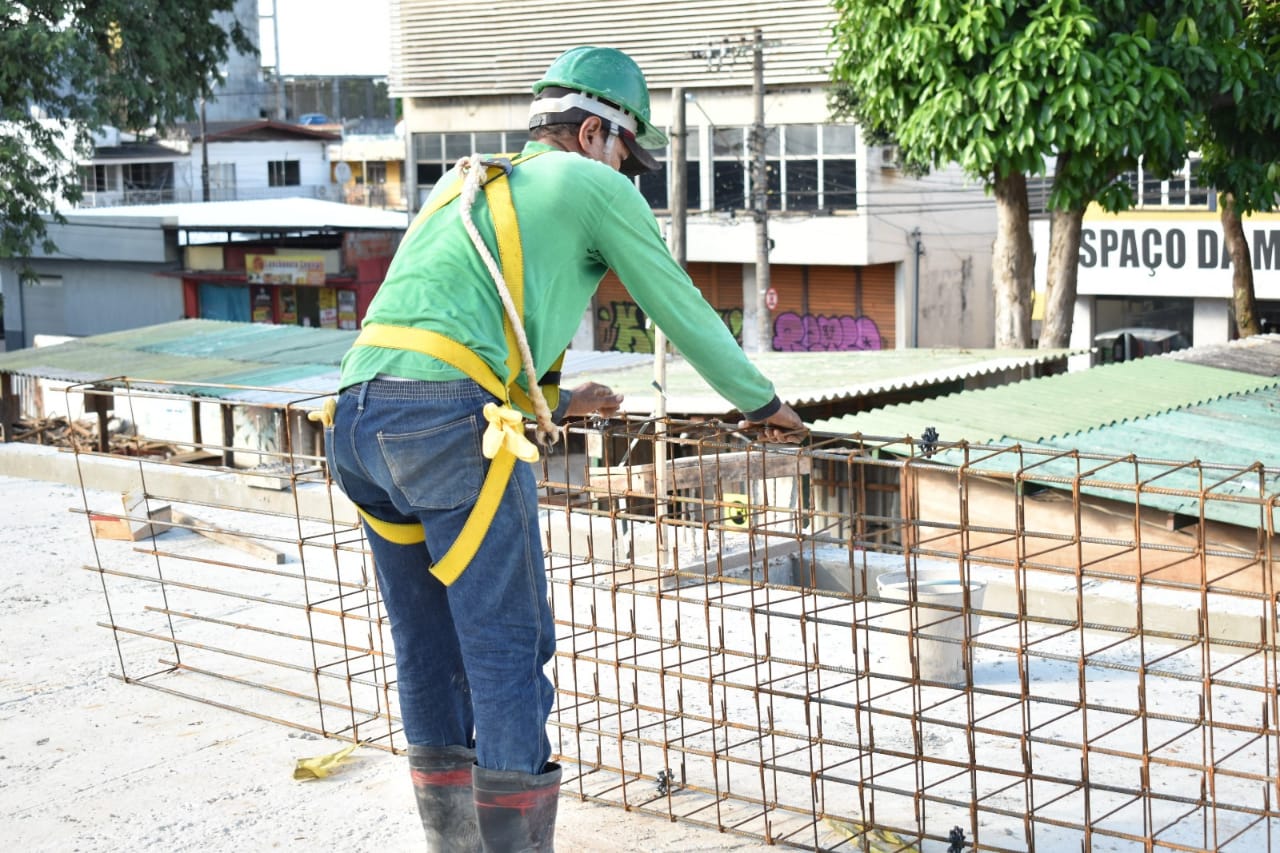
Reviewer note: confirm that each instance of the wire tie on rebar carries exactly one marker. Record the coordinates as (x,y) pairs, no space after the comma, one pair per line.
(928,441)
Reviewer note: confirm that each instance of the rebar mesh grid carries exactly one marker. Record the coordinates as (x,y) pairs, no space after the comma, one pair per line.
(859,643)
(251,592)
(737,651)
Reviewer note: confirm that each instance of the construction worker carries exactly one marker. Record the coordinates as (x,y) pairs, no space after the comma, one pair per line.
(428,412)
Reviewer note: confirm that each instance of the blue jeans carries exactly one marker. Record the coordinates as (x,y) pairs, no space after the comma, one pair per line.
(469,656)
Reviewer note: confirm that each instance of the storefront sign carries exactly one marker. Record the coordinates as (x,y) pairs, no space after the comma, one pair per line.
(285,269)
(1173,258)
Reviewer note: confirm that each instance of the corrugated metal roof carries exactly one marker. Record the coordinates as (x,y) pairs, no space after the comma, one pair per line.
(1236,431)
(279,364)
(1233,438)
(1158,409)
(810,378)
(298,361)
(1052,406)
(1259,355)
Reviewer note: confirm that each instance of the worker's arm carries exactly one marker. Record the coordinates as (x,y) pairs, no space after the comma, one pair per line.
(630,244)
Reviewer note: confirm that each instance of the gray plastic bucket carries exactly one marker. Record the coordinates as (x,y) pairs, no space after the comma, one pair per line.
(937,639)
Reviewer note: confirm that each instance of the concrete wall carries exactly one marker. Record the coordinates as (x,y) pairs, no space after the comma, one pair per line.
(242,94)
(73,298)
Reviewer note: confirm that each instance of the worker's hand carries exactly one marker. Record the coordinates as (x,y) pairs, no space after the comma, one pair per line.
(593,398)
(782,426)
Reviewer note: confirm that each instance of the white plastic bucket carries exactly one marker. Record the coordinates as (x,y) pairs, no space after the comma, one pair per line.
(935,636)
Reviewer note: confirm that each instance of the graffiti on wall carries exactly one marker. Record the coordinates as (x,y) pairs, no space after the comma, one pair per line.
(733,319)
(815,333)
(621,326)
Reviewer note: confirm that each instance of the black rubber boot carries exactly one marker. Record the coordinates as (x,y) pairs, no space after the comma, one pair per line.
(517,811)
(442,784)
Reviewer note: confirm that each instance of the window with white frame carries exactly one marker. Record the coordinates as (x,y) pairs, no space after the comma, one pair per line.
(1183,188)
(147,183)
(656,186)
(93,178)
(435,153)
(808,167)
(222,181)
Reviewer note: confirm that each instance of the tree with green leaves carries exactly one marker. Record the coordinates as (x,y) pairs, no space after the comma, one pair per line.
(70,67)
(1004,87)
(1238,137)
(1155,67)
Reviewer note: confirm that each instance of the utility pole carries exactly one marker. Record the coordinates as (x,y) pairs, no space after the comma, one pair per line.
(679,235)
(755,338)
(679,176)
(678,167)
(760,193)
(204,152)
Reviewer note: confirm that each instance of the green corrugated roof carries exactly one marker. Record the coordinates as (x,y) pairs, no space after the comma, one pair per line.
(215,353)
(296,361)
(806,378)
(1233,433)
(1040,409)
(1152,408)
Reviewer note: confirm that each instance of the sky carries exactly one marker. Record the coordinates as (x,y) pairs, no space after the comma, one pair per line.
(328,36)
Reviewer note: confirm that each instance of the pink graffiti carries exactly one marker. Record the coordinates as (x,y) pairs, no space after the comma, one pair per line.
(815,333)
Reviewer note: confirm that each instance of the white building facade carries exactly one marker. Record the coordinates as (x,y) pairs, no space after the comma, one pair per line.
(246,160)
(1164,266)
(862,256)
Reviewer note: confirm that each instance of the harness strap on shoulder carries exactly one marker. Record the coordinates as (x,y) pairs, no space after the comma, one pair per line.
(511,258)
(504,439)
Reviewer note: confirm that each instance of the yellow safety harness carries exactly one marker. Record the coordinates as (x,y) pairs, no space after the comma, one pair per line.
(504,439)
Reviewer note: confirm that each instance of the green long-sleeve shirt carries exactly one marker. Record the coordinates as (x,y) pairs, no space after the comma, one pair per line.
(578,219)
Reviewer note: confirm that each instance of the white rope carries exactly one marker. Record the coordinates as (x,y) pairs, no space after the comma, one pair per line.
(473,172)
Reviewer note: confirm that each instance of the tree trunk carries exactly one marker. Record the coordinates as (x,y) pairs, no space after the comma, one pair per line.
(1060,288)
(1237,246)
(1011,263)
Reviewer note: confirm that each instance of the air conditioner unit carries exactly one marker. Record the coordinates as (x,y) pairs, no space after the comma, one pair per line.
(889,157)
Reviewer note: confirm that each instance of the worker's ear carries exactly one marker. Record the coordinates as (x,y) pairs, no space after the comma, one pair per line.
(588,131)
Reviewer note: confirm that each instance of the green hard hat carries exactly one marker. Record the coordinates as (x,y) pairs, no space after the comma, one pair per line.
(611,75)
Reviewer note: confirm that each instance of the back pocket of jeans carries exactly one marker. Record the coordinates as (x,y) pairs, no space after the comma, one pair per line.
(437,468)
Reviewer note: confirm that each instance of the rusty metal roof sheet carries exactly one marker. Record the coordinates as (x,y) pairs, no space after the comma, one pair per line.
(1259,355)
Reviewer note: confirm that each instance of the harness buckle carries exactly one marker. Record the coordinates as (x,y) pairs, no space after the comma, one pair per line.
(503,163)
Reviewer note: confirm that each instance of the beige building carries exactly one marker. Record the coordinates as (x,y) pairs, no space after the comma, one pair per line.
(862,256)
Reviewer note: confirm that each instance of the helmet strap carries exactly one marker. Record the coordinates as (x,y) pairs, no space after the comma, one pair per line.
(612,130)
